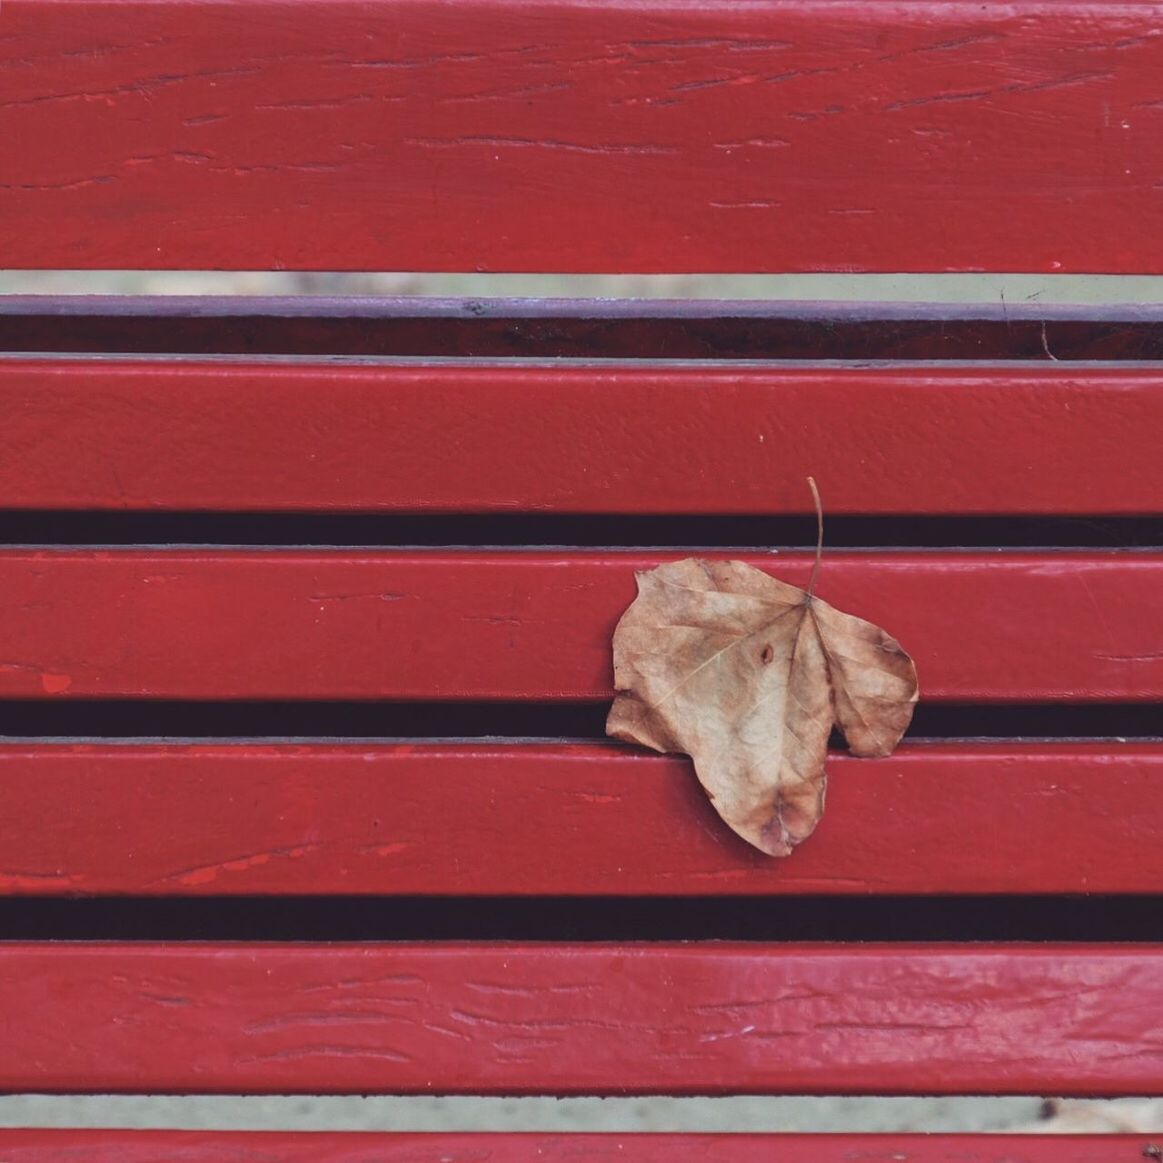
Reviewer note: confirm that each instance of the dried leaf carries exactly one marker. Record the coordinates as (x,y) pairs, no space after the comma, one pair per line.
(747,675)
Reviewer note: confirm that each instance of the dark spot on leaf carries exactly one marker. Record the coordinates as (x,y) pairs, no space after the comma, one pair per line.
(767,655)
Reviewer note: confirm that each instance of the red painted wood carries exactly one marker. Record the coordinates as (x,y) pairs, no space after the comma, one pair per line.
(541,135)
(115,1146)
(474,819)
(576,439)
(576,1019)
(360,624)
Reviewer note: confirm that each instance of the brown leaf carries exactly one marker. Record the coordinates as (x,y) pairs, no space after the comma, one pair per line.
(746,674)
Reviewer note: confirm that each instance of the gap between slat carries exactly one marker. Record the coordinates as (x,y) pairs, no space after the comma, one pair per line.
(506,720)
(741,533)
(1092,918)
(668,330)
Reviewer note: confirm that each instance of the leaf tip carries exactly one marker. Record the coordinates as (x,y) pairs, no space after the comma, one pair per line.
(792,821)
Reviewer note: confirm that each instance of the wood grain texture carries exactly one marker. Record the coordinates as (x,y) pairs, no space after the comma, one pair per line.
(365,624)
(544,135)
(927,440)
(114,1146)
(578,1019)
(536,819)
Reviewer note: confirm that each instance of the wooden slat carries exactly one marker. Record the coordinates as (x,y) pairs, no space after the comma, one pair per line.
(542,135)
(919,440)
(475,819)
(360,624)
(116,1146)
(577,1019)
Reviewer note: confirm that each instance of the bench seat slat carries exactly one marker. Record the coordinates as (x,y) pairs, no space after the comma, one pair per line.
(912,440)
(551,136)
(365,624)
(578,1019)
(118,1146)
(535,819)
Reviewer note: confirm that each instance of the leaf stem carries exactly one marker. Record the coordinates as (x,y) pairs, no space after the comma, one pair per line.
(819,535)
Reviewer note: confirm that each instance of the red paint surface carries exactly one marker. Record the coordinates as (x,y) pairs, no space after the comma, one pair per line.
(472,819)
(577,1019)
(359,624)
(546,136)
(574,439)
(20,1146)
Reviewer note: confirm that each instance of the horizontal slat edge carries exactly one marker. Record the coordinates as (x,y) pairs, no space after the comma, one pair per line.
(365,624)
(566,137)
(132,1146)
(579,1019)
(496,820)
(930,440)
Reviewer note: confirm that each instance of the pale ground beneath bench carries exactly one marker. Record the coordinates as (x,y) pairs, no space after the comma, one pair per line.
(1012,290)
(1129,1116)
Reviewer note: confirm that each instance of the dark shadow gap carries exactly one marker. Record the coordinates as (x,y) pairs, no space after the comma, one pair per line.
(65,719)
(584,328)
(911,918)
(582,531)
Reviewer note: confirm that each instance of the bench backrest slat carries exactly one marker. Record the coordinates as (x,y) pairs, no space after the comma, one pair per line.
(122,1146)
(548,135)
(653,1018)
(919,439)
(462,624)
(527,819)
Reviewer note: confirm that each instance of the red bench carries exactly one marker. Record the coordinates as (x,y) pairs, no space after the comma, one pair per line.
(303,786)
